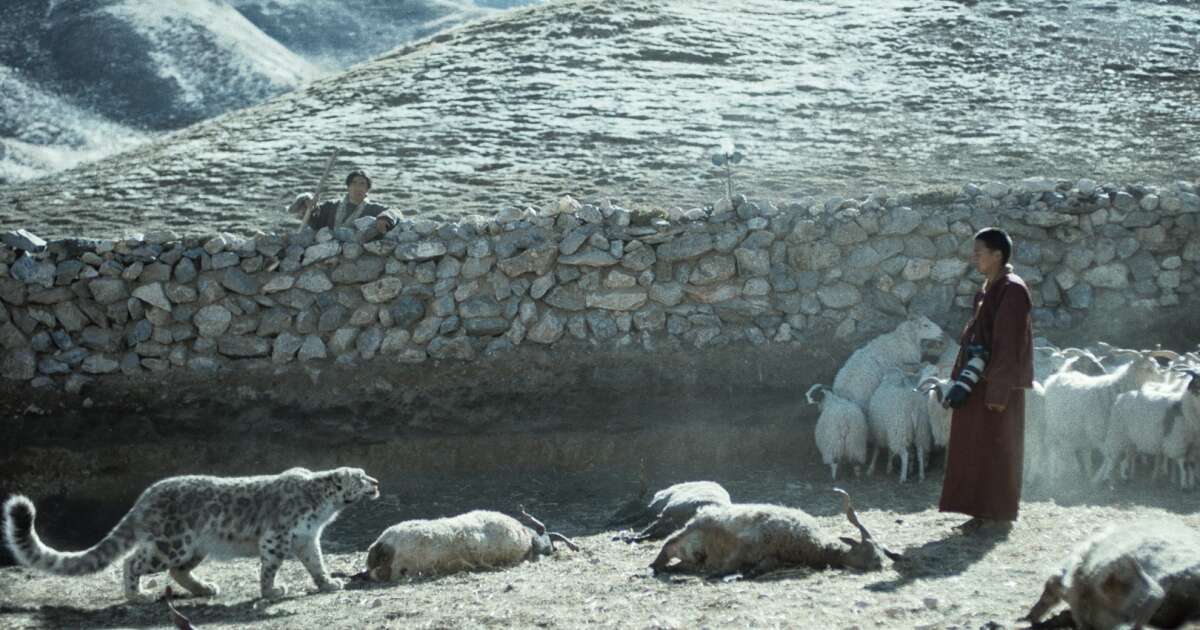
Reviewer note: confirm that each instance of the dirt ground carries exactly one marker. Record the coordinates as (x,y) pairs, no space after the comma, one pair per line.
(946,580)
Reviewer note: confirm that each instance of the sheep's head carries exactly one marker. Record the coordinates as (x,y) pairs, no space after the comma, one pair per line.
(864,554)
(543,541)
(921,327)
(1119,595)
(687,545)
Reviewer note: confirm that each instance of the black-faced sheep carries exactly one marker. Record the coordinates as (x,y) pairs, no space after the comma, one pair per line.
(755,539)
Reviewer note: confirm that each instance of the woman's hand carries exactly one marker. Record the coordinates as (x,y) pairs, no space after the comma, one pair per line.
(996,408)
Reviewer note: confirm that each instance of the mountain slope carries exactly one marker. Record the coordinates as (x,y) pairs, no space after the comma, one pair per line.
(630,99)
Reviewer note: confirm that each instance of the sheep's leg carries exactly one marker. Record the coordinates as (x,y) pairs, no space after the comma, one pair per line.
(1105,471)
(903,465)
(833,470)
(874,458)
(920,464)
(659,529)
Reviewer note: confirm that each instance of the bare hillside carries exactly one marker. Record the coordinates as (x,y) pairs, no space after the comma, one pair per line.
(630,99)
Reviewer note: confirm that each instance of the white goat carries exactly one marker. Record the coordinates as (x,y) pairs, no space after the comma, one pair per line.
(1078,407)
(669,509)
(756,539)
(841,431)
(471,541)
(899,415)
(862,372)
(1132,575)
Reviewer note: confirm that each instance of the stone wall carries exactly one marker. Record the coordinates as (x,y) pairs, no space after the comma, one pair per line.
(751,274)
(620,330)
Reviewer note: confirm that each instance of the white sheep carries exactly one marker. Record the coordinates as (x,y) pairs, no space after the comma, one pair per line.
(841,431)
(862,372)
(1182,443)
(668,510)
(1139,423)
(1131,575)
(476,540)
(898,415)
(1078,405)
(754,539)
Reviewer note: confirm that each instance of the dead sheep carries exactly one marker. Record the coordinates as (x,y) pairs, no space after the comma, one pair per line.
(668,510)
(1129,575)
(476,540)
(754,539)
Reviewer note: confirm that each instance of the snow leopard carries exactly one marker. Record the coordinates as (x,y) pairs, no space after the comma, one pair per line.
(179,521)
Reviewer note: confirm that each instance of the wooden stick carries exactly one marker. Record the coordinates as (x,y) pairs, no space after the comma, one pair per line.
(320,186)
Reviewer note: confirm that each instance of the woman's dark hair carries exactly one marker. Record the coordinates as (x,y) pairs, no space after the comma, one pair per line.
(358,173)
(996,239)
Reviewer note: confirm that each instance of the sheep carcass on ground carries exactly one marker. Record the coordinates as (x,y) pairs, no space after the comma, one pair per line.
(1129,575)
(476,540)
(754,539)
(668,510)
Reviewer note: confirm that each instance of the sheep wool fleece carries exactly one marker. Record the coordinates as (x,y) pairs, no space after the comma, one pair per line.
(986,450)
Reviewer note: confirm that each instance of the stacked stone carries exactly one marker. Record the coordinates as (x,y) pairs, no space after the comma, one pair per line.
(742,272)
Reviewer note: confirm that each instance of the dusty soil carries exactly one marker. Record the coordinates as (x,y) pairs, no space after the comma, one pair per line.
(947,580)
(631,99)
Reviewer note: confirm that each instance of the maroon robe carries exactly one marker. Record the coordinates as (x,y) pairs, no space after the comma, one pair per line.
(984,458)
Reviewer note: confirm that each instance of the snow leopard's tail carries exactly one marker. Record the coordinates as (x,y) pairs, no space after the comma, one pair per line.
(23,542)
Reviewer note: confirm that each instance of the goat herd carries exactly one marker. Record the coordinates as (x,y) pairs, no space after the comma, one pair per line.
(1125,405)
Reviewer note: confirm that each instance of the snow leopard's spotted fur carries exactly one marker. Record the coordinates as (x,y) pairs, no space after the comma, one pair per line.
(179,521)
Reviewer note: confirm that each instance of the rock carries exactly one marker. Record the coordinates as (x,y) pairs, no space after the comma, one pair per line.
(315,281)
(616,300)
(99,364)
(537,261)
(1080,296)
(485,326)
(712,294)
(70,316)
(153,295)
(212,320)
(238,281)
(224,260)
(342,341)
(541,286)
(394,341)
(185,271)
(666,293)
(369,342)
(590,258)
(948,269)
(684,247)
(23,240)
(420,250)
(108,290)
(1038,185)
(359,271)
(547,330)
(382,290)
(451,348)
(995,190)
(407,311)
(279,283)
(752,262)
(312,348)
(30,271)
(321,251)
(839,295)
(479,306)
(900,220)
(713,269)
(1110,276)
(568,297)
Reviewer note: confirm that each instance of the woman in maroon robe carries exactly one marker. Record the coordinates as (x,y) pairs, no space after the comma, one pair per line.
(984,458)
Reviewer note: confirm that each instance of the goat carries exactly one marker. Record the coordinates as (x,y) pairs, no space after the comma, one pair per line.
(754,539)
(476,540)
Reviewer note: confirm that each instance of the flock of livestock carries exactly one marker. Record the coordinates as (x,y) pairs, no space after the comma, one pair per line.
(1125,406)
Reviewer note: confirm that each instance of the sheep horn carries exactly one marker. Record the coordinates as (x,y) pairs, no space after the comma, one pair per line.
(808,394)
(927,384)
(532,522)
(1166,354)
(564,540)
(852,516)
